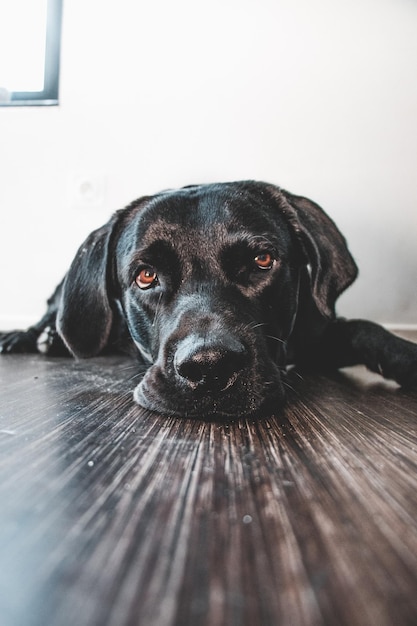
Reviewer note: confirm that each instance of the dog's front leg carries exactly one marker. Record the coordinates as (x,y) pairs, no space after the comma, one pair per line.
(354,342)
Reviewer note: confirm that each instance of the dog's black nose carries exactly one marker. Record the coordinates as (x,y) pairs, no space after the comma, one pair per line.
(210,364)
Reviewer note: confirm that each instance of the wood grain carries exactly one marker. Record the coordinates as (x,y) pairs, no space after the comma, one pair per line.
(111,516)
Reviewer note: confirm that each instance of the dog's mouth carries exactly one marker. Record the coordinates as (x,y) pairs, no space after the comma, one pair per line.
(244,397)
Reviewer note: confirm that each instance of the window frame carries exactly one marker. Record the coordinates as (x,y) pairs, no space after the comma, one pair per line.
(49,96)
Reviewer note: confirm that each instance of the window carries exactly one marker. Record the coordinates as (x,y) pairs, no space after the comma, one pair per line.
(30,42)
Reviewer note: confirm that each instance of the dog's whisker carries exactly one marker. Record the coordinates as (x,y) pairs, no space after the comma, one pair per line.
(157,309)
(276,339)
(126,368)
(137,376)
(254,325)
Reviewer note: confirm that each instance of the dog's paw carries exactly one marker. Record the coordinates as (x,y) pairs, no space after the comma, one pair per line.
(404,366)
(18,342)
(408,378)
(49,342)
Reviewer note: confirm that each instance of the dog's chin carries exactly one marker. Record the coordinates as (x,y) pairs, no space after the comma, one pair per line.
(210,408)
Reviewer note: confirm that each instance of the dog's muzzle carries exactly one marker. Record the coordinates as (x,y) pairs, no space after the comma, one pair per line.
(210,374)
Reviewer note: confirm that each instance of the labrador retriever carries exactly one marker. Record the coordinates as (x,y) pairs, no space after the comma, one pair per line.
(218,288)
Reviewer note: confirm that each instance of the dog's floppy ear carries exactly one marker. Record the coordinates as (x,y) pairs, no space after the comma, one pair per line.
(331,266)
(85,316)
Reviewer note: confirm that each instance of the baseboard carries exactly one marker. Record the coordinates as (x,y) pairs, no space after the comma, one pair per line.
(399,327)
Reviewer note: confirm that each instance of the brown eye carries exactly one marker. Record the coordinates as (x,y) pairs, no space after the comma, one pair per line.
(264,261)
(146,278)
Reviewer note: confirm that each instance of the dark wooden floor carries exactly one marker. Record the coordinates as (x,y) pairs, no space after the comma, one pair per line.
(110,516)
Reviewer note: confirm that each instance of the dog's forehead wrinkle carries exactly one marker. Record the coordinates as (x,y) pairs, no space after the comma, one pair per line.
(207,214)
(206,206)
(181,208)
(202,240)
(185,240)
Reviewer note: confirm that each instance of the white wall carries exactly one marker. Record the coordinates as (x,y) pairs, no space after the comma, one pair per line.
(318,96)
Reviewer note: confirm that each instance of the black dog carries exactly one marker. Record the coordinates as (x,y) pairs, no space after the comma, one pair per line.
(219,287)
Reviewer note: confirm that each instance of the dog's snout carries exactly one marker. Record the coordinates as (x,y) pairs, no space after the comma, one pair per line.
(210,364)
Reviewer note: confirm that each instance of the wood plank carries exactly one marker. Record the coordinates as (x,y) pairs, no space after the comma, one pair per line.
(113,516)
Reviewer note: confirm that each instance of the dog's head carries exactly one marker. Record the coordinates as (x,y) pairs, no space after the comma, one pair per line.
(207,279)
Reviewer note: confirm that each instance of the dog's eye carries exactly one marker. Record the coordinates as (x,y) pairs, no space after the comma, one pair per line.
(146,278)
(264,261)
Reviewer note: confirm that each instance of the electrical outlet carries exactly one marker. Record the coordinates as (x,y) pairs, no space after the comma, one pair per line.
(86,191)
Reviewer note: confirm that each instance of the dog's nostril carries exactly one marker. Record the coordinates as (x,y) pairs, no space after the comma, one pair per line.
(209,366)
(191,371)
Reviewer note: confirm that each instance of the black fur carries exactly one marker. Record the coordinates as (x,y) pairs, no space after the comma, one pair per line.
(246,280)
